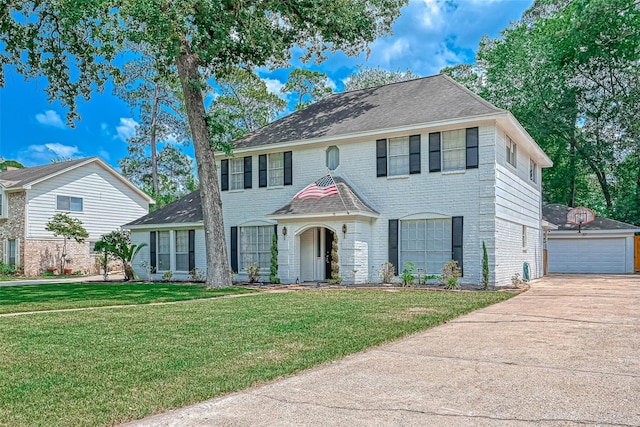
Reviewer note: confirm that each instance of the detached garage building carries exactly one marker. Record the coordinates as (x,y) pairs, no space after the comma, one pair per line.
(602,246)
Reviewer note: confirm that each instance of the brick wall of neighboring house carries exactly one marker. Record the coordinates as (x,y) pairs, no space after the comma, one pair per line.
(12,227)
(39,255)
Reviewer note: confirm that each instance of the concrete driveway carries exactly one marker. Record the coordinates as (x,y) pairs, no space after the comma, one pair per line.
(565,353)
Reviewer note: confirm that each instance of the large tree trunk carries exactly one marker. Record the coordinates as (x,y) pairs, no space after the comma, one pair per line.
(154,155)
(218,273)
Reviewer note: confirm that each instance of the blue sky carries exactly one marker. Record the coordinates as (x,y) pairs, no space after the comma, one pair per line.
(429,35)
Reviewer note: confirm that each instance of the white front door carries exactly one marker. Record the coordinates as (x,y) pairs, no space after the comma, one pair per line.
(312,260)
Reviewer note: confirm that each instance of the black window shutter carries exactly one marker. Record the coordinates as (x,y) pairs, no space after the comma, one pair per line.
(472,148)
(224,175)
(192,249)
(248,177)
(262,170)
(414,154)
(288,168)
(381,157)
(275,230)
(152,251)
(393,243)
(456,241)
(434,152)
(234,249)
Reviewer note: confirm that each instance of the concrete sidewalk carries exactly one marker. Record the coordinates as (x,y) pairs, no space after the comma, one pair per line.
(85,279)
(565,353)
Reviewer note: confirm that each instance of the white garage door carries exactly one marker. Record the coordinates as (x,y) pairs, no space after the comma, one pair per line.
(586,255)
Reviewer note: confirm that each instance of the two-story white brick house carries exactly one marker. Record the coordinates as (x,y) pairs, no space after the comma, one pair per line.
(427,172)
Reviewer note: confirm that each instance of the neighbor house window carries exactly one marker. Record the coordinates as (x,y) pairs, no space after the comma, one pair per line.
(276,169)
(333,157)
(236,174)
(164,251)
(533,171)
(68,203)
(11,252)
(426,243)
(255,246)
(182,250)
(511,153)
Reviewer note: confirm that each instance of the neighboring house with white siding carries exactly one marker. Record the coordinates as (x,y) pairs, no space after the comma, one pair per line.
(87,189)
(426,171)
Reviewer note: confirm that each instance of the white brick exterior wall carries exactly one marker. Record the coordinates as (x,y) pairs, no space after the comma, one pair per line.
(493,201)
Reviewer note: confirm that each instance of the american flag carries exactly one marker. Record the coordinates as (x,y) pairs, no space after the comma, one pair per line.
(323,187)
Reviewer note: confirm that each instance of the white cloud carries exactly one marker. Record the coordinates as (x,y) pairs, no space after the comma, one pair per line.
(431,16)
(331,84)
(40,154)
(127,128)
(273,85)
(104,154)
(397,49)
(61,150)
(50,118)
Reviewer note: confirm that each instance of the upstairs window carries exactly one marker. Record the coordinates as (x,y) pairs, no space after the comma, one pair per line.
(276,170)
(533,171)
(398,156)
(236,174)
(68,203)
(333,157)
(454,148)
(511,153)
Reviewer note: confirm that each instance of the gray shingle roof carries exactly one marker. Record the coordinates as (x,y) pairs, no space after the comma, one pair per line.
(557,214)
(20,177)
(352,203)
(425,100)
(185,210)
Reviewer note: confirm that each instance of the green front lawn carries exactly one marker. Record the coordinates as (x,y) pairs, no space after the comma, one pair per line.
(56,296)
(99,367)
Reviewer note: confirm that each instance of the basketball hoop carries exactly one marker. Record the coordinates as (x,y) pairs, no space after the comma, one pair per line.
(580,216)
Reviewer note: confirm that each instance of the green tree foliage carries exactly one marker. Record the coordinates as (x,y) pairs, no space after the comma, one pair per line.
(4,164)
(61,224)
(335,262)
(309,86)
(243,104)
(117,244)
(367,77)
(485,267)
(174,172)
(568,71)
(77,47)
(273,276)
(153,93)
